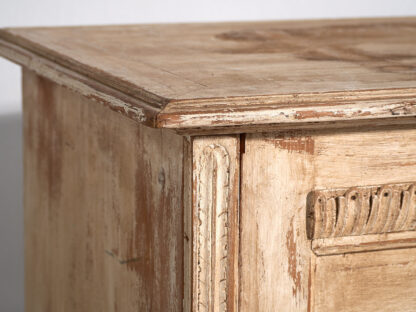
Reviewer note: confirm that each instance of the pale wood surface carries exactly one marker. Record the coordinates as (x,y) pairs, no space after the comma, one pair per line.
(193,77)
(277,174)
(103,207)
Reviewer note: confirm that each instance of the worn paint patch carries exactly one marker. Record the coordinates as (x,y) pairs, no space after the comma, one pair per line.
(135,113)
(298,144)
(292,260)
(310,114)
(408,108)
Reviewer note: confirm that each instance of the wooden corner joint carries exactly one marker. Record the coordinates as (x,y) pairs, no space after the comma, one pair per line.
(363,218)
(213,237)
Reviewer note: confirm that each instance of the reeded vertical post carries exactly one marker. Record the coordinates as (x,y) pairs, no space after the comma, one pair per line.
(215,223)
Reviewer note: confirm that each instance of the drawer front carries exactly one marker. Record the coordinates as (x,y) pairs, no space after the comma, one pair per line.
(366,281)
(364,239)
(294,259)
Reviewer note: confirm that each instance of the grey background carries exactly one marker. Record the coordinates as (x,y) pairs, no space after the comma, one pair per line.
(76,12)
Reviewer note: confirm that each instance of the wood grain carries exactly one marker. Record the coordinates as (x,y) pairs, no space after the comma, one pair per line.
(382,281)
(103,207)
(364,156)
(277,174)
(203,77)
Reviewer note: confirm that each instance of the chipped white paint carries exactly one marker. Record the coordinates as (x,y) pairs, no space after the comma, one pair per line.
(356,109)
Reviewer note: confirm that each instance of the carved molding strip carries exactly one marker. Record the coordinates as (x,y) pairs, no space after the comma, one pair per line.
(370,242)
(212,200)
(361,211)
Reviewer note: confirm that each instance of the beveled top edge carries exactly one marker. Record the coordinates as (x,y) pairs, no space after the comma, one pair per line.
(230,113)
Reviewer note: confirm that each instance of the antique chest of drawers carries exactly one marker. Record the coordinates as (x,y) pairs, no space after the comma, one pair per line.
(267,166)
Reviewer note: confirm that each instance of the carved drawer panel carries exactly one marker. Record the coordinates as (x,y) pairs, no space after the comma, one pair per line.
(362,210)
(362,218)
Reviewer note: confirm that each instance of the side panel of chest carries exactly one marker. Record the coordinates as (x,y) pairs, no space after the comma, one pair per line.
(103,206)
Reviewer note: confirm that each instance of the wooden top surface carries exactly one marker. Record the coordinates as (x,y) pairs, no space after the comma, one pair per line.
(217,74)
